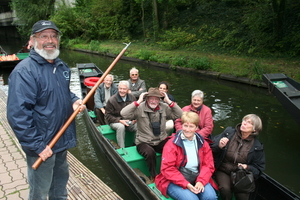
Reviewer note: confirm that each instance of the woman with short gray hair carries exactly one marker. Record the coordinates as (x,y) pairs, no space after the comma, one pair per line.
(238,147)
(206,124)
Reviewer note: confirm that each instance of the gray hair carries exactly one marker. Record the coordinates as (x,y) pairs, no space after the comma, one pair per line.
(124,83)
(257,123)
(198,93)
(109,75)
(134,69)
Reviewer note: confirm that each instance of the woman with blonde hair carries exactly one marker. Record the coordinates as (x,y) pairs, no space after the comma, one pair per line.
(187,152)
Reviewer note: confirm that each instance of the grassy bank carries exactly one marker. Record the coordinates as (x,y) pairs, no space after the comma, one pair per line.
(196,58)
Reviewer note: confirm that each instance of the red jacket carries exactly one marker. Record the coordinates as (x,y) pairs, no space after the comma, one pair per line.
(206,124)
(172,157)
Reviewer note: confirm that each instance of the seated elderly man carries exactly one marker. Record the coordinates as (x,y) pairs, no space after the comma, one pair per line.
(151,116)
(101,96)
(113,107)
(136,85)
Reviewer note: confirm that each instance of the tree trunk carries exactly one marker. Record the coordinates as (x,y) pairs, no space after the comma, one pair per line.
(143,18)
(278,9)
(155,20)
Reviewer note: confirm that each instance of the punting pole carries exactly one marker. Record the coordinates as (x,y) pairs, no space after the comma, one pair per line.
(72,117)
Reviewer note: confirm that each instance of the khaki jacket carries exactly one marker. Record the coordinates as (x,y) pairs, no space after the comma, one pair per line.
(142,113)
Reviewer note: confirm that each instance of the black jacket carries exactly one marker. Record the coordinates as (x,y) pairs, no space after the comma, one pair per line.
(256,156)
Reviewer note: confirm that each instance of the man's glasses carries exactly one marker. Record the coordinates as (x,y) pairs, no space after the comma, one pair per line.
(134,74)
(45,37)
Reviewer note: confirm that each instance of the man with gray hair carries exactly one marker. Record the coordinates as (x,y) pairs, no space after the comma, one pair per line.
(136,85)
(101,96)
(113,117)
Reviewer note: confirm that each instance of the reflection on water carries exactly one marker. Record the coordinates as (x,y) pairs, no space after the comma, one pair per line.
(221,111)
(229,102)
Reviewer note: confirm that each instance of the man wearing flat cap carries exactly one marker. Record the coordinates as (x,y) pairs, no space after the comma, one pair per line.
(39,103)
(151,116)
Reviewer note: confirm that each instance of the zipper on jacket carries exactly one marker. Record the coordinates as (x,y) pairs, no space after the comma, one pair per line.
(54,70)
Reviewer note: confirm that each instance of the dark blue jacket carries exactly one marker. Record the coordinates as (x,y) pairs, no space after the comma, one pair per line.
(39,103)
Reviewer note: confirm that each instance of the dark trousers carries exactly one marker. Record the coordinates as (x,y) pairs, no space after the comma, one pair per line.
(149,152)
(226,187)
(100,116)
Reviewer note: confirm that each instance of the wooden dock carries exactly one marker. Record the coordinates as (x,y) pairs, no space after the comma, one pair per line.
(83,184)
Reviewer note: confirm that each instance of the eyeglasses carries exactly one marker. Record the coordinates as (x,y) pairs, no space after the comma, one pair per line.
(134,74)
(248,122)
(45,37)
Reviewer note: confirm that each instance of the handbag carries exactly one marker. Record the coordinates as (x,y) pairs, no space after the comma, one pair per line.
(242,180)
(189,175)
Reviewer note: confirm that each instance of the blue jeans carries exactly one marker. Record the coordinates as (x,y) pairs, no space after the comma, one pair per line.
(49,179)
(178,193)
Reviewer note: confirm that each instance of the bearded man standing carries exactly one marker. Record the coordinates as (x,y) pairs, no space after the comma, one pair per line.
(39,103)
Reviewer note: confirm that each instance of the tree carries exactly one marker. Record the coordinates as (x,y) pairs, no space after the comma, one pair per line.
(30,11)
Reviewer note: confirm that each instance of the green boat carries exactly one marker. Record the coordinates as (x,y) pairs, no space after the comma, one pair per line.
(132,166)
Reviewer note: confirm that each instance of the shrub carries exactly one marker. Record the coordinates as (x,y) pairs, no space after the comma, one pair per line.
(179,61)
(201,63)
(94,45)
(258,71)
(176,38)
(144,54)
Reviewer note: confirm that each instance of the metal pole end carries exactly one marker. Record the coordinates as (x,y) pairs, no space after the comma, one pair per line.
(127,45)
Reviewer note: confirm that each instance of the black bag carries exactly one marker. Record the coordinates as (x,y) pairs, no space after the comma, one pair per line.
(243,181)
(155,125)
(155,128)
(189,175)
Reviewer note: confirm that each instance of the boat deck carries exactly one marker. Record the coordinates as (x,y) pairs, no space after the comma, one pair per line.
(82,185)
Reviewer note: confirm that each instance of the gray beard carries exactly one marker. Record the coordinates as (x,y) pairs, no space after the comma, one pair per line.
(45,54)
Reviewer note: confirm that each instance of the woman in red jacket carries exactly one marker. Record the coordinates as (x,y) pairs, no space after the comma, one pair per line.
(187,149)
(206,124)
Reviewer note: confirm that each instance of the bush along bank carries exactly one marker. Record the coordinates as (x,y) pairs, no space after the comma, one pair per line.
(216,75)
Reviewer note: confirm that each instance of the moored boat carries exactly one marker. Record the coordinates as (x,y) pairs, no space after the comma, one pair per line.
(132,165)
(287,91)
(10,61)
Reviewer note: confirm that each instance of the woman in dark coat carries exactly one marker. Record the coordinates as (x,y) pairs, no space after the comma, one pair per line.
(236,147)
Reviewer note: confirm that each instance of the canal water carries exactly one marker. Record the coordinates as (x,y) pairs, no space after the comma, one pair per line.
(229,102)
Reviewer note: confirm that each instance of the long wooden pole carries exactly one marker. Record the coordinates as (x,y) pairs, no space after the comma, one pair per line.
(72,117)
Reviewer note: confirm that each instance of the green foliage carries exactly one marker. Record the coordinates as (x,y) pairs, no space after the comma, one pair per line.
(176,38)
(162,59)
(69,43)
(201,63)
(264,28)
(258,71)
(144,54)
(94,45)
(28,12)
(179,61)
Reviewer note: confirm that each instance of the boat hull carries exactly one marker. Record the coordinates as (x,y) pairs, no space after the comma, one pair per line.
(129,175)
(287,91)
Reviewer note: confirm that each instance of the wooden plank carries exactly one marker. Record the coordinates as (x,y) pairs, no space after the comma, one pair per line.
(84,183)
